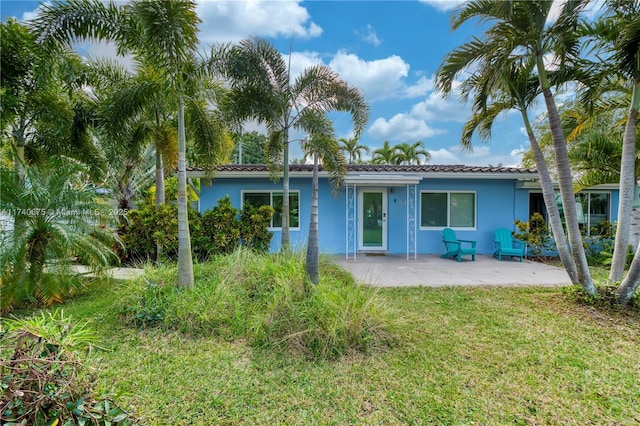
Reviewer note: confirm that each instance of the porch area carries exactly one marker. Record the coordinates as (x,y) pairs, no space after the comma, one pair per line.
(432,271)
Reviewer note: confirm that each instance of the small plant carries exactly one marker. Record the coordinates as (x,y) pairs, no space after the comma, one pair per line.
(43,380)
(148,307)
(536,234)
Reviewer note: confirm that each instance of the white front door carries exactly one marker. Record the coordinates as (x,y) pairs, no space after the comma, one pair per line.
(372,219)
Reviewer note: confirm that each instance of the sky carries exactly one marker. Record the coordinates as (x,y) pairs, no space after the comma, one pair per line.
(390,50)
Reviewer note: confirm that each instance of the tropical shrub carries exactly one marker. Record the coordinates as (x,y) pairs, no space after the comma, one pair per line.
(58,220)
(148,229)
(44,381)
(217,231)
(536,234)
(254,227)
(222,228)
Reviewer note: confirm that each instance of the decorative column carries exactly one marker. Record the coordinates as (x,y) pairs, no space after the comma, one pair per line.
(412,221)
(352,224)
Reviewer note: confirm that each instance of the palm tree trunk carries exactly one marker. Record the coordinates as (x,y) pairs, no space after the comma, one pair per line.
(630,284)
(565,182)
(159,180)
(285,244)
(632,280)
(185,261)
(159,196)
(548,194)
(313,250)
(20,139)
(634,241)
(627,185)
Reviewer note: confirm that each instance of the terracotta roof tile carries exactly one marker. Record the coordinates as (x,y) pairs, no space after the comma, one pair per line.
(375,168)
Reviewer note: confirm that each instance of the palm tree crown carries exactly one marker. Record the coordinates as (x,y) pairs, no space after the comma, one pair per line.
(262,89)
(353,149)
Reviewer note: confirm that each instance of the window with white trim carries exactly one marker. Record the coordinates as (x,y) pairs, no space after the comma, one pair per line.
(442,209)
(274,199)
(592,208)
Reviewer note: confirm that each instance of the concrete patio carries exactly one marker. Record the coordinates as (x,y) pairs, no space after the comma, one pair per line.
(433,271)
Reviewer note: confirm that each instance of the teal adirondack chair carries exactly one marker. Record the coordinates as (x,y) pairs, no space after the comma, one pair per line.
(454,246)
(506,245)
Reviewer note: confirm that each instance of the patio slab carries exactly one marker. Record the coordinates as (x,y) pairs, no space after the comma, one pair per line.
(433,271)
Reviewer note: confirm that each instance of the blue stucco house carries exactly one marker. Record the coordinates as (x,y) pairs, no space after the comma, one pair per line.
(399,209)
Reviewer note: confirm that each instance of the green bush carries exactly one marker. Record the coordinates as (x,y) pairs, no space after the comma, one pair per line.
(217,231)
(536,234)
(147,228)
(221,227)
(43,380)
(254,227)
(266,299)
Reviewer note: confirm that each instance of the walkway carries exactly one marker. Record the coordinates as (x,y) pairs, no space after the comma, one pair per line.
(432,271)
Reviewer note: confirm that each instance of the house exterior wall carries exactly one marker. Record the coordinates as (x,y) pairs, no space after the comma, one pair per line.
(498,204)
(331,209)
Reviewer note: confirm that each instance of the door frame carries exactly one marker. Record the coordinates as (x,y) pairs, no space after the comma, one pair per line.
(385,219)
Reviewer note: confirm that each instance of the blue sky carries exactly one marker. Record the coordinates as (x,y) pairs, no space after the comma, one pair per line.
(390,50)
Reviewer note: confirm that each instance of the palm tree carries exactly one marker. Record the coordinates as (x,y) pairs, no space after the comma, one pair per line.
(386,154)
(516,90)
(411,154)
(321,145)
(353,149)
(520,32)
(57,217)
(162,35)
(262,89)
(617,34)
(44,110)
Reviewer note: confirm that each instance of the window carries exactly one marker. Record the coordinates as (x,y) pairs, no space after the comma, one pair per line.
(448,209)
(592,209)
(274,199)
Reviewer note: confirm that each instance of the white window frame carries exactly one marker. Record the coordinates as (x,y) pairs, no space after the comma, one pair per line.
(271,192)
(448,225)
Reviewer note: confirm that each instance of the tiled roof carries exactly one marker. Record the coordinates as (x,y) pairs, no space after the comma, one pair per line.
(374,168)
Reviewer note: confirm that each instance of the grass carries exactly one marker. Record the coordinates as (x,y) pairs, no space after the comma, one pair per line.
(464,356)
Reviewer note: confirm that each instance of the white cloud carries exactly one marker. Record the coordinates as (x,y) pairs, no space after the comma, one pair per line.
(370,36)
(101,50)
(444,156)
(234,20)
(378,79)
(480,156)
(435,108)
(443,5)
(420,88)
(402,127)
(29,15)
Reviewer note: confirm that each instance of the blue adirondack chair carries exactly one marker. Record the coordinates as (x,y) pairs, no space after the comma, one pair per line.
(506,245)
(454,246)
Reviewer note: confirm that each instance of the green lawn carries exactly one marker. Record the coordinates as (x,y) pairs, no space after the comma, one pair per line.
(465,356)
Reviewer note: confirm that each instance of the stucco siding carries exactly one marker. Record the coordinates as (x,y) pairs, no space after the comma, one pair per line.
(498,204)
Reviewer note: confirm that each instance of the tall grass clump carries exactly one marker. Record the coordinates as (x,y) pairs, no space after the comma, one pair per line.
(266,299)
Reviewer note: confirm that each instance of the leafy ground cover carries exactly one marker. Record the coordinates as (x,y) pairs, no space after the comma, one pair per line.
(462,356)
